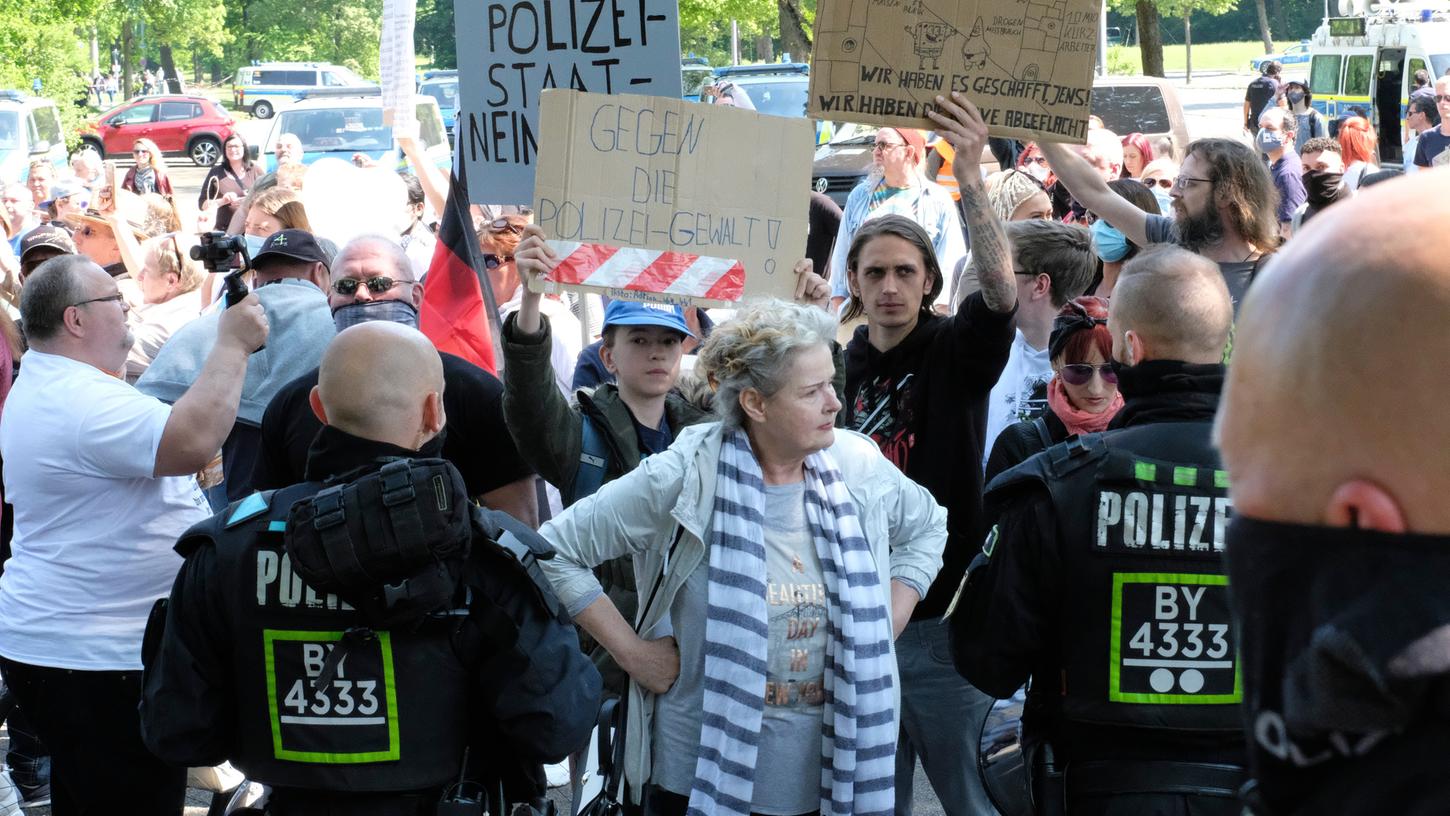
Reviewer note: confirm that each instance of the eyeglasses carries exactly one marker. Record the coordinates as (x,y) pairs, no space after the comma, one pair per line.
(882,147)
(1042,160)
(378,285)
(1442,97)
(176,247)
(505,225)
(492,261)
(1082,373)
(116,297)
(1182,182)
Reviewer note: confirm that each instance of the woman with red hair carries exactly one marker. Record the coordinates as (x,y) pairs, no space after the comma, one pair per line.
(1357,146)
(1137,152)
(1082,396)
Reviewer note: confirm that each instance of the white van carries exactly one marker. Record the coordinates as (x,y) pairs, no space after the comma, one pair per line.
(30,129)
(1366,59)
(264,88)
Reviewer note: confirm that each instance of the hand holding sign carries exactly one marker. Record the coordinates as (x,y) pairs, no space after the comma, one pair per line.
(811,289)
(960,123)
(534,259)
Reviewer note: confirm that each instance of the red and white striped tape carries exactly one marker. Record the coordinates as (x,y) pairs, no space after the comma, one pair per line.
(648,270)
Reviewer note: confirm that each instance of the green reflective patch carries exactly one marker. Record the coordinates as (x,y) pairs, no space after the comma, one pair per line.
(1220,479)
(1185,476)
(1145,471)
(314,711)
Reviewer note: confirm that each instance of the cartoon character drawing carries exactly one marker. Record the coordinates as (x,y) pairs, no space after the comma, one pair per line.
(976,50)
(930,42)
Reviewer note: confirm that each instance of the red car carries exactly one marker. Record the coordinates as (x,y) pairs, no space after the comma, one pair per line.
(193,126)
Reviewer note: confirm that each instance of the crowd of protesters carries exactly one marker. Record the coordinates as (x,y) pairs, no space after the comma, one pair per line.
(800,483)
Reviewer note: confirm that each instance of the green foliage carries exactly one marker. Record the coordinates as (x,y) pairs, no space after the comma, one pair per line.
(433,35)
(705,27)
(1238,21)
(345,32)
(42,39)
(1126,60)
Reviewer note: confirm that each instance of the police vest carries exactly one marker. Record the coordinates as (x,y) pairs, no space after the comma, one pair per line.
(389,715)
(1146,636)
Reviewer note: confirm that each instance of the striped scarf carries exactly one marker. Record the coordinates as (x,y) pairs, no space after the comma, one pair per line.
(858,748)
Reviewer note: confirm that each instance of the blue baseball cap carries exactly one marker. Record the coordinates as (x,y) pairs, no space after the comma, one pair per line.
(635,313)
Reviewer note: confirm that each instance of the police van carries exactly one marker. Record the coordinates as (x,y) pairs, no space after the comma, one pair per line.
(266,87)
(30,130)
(1364,61)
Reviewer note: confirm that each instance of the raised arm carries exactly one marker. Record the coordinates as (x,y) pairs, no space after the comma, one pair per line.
(960,123)
(1086,185)
(435,186)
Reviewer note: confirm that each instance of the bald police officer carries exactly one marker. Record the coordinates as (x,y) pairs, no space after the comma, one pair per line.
(1104,579)
(346,639)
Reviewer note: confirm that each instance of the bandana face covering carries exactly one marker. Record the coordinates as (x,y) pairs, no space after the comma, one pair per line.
(1344,636)
(393,311)
(1321,187)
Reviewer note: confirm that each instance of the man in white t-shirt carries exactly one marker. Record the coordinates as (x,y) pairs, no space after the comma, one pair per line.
(1053,263)
(100,476)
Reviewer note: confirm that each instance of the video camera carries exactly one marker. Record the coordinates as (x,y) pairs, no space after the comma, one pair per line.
(216,252)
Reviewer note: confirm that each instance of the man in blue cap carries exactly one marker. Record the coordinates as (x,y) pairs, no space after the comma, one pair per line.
(610,429)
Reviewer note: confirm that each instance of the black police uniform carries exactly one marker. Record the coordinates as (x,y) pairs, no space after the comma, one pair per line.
(345,642)
(1104,581)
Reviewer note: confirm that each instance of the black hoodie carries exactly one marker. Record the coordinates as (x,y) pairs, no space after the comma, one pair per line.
(925,403)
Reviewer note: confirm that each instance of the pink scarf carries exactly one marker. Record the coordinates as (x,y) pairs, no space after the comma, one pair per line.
(1077,420)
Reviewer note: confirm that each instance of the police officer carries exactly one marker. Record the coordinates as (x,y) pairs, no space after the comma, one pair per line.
(1104,581)
(346,639)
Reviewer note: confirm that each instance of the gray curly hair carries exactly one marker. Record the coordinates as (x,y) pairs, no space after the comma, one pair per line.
(755,349)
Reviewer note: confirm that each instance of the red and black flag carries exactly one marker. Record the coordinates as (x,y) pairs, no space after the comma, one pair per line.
(460,314)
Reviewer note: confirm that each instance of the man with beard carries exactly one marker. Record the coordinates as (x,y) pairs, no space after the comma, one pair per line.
(1224,205)
(1340,550)
(101,479)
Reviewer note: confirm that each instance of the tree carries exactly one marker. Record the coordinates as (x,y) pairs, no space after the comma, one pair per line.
(1150,14)
(433,35)
(1264,26)
(1150,38)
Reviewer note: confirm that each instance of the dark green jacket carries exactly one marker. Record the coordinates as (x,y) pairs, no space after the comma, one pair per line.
(549,433)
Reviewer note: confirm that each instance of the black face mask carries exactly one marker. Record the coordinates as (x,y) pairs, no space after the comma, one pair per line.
(1336,664)
(1321,187)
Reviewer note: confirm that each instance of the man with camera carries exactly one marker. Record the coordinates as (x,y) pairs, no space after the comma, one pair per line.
(291,278)
(101,480)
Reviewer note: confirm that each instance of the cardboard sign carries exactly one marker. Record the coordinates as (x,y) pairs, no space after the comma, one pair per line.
(509,52)
(711,200)
(1027,64)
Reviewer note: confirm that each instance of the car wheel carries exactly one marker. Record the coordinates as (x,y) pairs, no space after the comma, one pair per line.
(205,151)
(262,110)
(95,145)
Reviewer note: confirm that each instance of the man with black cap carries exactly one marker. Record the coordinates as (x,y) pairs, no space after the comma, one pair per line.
(40,245)
(290,279)
(372,280)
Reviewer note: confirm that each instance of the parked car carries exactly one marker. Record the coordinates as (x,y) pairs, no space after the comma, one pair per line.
(192,126)
(343,124)
(1146,105)
(443,87)
(1293,55)
(779,89)
(266,88)
(693,77)
(30,129)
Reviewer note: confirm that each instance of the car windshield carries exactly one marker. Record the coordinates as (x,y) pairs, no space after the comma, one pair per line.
(9,130)
(347,76)
(446,92)
(783,97)
(1441,63)
(1131,108)
(337,129)
(851,133)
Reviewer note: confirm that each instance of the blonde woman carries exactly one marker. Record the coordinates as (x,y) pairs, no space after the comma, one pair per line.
(167,273)
(149,174)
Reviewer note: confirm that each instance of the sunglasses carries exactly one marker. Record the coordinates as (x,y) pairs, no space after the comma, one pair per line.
(1082,373)
(505,225)
(378,285)
(1042,160)
(492,261)
(1442,97)
(1166,184)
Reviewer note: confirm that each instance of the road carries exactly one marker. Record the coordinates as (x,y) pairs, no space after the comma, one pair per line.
(1212,106)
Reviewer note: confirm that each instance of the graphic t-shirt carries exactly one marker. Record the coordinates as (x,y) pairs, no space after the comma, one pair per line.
(1020,393)
(1432,143)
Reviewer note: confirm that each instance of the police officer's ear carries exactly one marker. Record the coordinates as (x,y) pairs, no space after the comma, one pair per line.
(434,417)
(1133,348)
(1365,505)
(314,398)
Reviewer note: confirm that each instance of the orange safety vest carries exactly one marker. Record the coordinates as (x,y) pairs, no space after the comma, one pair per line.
(945,178)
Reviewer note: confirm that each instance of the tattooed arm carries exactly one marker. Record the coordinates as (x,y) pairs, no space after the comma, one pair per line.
(960,123)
